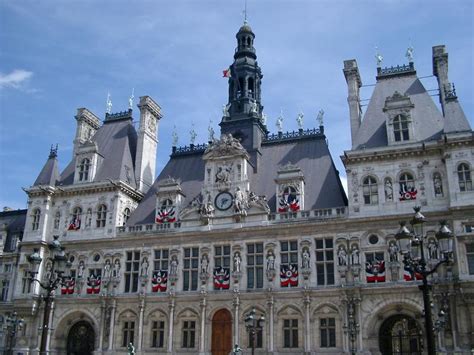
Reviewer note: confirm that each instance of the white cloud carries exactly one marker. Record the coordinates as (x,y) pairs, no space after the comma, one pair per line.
(15,79)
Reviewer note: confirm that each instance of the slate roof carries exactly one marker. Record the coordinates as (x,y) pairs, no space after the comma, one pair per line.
(116,141)
(14,223)
(49,175)
(428,120)
(323,188)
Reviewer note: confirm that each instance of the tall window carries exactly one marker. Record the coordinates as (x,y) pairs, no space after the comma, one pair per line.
(370,189)
(126,215)
(407,183)
(157,334)
(161,259)
(84,168)
(132,268)
(5,287)
(290,333)
(190,269)
(470,258)
(25,282)
(189,334)
(464,177)
(222,256)
(76,214)
(255,265)
(128,333)
(289,252)
(400,129)
(57,220)
(324,262)
(36,219)
(101,216)
(327,329)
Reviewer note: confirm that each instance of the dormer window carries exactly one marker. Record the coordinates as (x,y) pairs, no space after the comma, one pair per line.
(289,201)
(36,219)
(464,177)
(84,168)
(400,129)
(101,216)
(370,190)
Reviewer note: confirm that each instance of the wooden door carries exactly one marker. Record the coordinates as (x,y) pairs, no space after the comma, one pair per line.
(221,333)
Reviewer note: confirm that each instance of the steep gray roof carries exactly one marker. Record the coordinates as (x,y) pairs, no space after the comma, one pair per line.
(49,175)
(456,120)
(428,120)
(116,141)
(323,188)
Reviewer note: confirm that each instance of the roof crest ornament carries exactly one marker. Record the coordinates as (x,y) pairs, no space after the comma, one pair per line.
(109,104)
(409,53)
(320,117)
(130,100)
(299,119)
(53,152)
(245,13)
(279,122)
(378,57)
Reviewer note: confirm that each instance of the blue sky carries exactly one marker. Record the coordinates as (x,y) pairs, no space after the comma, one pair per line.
(57,56)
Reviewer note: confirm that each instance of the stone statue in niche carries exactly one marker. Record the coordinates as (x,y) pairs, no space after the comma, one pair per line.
(388,189)
(116,270)
(107,269)
(342,256)
(393,251)
(237,262)
(438,185)
(80,269)
(144,267)
(355,258)
(432,249)
(239,202)
(174,266)
(306,261)
(204,264)
(223,174)
(270,261)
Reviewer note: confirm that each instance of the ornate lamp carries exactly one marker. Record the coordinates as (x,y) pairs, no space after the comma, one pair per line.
(35,260)
(403,238)
(445,240)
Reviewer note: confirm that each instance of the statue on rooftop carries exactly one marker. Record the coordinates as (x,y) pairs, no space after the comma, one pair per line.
(409,54)
(378,57)
(175,137)
(320,117)
(299,120)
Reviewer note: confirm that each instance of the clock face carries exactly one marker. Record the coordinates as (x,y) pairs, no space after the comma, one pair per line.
(223,201)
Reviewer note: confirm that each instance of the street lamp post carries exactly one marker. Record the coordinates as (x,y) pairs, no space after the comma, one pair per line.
(410,244)
(55,278)
(12,325)
(253,325)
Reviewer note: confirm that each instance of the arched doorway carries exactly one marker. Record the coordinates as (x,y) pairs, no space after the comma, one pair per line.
(400,335)
(80,340)
(221,333)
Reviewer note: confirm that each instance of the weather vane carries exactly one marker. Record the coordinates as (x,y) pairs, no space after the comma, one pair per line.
(130,100)
(109,104)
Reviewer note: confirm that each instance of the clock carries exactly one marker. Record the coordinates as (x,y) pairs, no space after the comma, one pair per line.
(223,201)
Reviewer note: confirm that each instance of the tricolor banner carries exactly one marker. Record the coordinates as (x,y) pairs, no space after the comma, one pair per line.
(410,275)
(93,284)
(159,281)
(288,204)
(221,278)
(74,225)
(407,194)
(375,271)
(67,288)
(226,73)
(289,275)
(166,215)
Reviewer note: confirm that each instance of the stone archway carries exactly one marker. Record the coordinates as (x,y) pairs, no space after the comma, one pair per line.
(221,333)
(81,339)
(400,335)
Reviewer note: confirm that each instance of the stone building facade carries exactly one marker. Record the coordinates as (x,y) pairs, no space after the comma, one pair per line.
(256,220)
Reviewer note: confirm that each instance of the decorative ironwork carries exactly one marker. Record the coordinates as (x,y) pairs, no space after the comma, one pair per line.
(394,70)
(293,135)
(118,115)
(450,92)
(189,149)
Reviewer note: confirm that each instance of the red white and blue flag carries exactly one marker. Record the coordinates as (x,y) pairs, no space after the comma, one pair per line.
(289,203)
(375,271)
(410,275)
(159,281)
(166,215)
(67,288)
(75,224)
(289,275)
(221,278)
(93,284)
(226,73)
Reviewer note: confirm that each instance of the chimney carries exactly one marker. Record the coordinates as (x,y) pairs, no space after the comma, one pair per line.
(351,72)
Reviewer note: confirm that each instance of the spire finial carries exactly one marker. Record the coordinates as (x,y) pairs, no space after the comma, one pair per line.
(130,100)
(53,152)
(175,137)
(378,57)
(245,13)
(109,104)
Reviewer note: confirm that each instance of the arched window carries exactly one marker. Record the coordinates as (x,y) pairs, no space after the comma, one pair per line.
(370,190)
(407,187)
(57,220)
(437,185)
(75,223)
(251,86)
(464,177)
(400,129)
(36,219)
(101,216)
(126,215)
(84,169)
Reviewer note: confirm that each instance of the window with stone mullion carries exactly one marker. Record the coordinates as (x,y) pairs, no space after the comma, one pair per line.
(255,265)
(327,328)
(132,267)
(324,261)
(158,334)
(470,258)
(290,333)
(222,256)
(128,333)
(189,334)
(190,269)
(161,261)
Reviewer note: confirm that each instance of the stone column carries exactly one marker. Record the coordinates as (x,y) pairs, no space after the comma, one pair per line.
(140,322)
(103,308)
(202,342)
(112,324)
(307,333)
(236,305)
(271,321)
(171,307)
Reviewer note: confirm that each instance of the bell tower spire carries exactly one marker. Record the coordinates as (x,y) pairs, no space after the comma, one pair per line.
(243,114)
